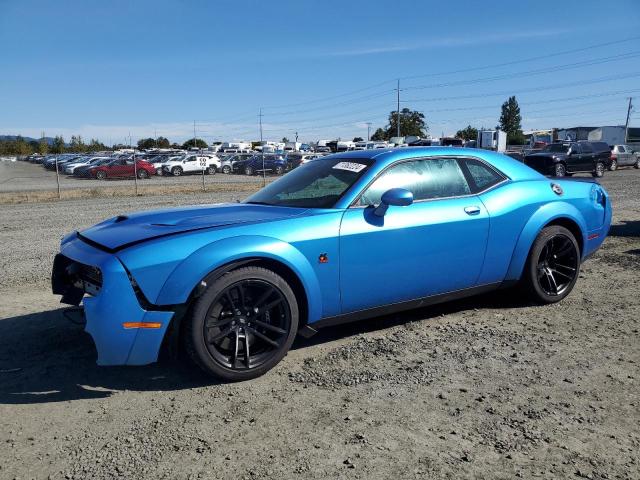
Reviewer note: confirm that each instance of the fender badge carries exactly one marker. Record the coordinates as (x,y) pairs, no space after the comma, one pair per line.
(557,189)
(323,258)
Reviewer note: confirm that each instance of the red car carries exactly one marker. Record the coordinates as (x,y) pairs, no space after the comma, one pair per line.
(123,168)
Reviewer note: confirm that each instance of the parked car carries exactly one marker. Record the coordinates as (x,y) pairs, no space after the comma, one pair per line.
(122,168)
(83,171)
(267,163)
(342,238)
(623,156)
(226,164)
(70,167)
(191,164)
(566,158)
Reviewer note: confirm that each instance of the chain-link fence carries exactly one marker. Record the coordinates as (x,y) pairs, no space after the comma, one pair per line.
(106,174)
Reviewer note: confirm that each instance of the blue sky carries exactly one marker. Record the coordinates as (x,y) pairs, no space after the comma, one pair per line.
(323,68)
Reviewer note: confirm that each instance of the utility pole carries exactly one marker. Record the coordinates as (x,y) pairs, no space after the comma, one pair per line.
(398,110)
(368,131)
(264,178)
(626,125)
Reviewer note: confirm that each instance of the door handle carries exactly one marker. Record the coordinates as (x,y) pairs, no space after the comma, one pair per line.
(472,210)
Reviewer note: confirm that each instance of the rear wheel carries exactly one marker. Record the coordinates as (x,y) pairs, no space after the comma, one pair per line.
(243,324)
(599,171)
(211,170)
(279,170)
(176,171)
(637,164)
(553,265)
(248,171)
(226,169)
(560,170)
(613,166)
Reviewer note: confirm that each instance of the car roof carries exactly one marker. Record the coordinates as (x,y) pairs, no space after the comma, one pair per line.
(512,168)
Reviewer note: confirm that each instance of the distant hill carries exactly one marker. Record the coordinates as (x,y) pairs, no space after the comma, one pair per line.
(9,138)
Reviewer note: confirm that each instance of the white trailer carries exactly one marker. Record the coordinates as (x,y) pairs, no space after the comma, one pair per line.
(492,140)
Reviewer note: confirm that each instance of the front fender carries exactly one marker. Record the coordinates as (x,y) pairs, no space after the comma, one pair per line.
(186,276)
(544,215)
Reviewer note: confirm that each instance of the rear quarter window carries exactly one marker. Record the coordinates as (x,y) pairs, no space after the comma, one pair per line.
(480,175)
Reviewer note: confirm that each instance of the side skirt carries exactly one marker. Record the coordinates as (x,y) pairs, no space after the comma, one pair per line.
(309,330)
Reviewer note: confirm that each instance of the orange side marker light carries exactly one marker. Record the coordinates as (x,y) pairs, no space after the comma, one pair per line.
(142,325)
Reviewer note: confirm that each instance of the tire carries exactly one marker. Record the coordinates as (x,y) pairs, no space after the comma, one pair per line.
(248,171)
(560,170)
(279,170)
(159,172)
(143,174)
(637,164)
(226,169)
(613,166)
(211,170)
(599,171)
(101,175)
(176,171)
(543,269)
(219,346)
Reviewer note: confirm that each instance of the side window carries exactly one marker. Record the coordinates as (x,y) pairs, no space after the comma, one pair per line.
(621,149)
(586,148)
(482,176)
(426,179)
(191,159)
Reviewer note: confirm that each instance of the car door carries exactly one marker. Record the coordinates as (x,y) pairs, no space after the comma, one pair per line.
(624,157)
(118,168)
(190,164)
(432,246)
(588,157)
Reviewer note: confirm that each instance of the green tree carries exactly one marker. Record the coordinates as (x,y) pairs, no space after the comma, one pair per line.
(43,146)
(285,140)
(146,143)
(95,145)
(411,123)
(358,139)
(163,142)
(21,146)
(77,145)
(58,145)
(197,143)
(510,119)
(469,133)
(379,135)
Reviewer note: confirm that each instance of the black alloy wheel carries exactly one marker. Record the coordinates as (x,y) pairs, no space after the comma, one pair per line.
(243,324)
(560,170)
(553,265)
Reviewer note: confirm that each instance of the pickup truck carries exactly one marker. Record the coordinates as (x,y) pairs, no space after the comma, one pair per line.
(566,158)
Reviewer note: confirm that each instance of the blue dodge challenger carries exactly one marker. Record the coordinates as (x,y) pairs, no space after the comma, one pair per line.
(341,238)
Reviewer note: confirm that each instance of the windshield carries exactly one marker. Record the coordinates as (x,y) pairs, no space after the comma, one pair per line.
(317,184)
(556,148)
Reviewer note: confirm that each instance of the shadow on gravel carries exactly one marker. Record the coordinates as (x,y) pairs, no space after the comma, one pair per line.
(626,229)
(45,357)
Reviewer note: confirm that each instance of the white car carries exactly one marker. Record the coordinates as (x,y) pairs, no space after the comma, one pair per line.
(69,169)
(191,164)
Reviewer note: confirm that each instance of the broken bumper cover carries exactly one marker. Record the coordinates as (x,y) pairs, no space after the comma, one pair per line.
(84,273)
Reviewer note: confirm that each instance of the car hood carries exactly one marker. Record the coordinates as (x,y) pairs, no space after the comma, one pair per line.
(125,230)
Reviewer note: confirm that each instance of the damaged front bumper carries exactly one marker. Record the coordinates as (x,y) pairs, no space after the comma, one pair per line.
(123,331)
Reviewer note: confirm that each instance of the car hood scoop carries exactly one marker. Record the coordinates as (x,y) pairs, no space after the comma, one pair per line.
(125,230)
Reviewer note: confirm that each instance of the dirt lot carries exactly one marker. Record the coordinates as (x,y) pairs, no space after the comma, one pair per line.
(485,388)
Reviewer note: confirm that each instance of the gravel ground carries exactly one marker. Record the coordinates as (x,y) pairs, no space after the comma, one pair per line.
(481,388)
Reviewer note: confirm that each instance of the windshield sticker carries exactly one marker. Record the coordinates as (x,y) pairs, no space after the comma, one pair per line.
(350,166)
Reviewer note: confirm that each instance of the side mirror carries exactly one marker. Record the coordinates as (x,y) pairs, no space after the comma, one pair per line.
(398,197)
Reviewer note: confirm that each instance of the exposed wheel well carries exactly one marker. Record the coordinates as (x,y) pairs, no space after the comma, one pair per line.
(572,227)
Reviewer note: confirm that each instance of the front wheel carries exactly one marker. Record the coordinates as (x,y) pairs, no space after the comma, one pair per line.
(279,170)
(226,169)
(599,171)
(248,171)
(101,175)
(243,324)
(560,170)
(613,166)
(176,171)
(142,174)
(637,164)
(553,265)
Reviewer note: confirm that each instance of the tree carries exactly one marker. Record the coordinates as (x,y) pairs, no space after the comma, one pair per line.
(58,144)
(197,143)
(96,145)
(358,139)
(146,143)
(163,142)
(469,133)
(43,146)
(285,140)
(510,119)
(379,135)
(411,123)
(77,145)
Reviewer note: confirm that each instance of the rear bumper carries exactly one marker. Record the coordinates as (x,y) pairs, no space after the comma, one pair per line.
(111,304)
